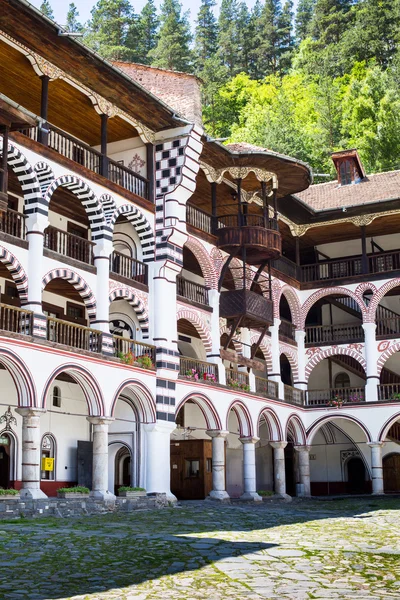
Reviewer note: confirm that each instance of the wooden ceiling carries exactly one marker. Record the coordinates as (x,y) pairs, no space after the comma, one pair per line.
(65,289)
(186,328)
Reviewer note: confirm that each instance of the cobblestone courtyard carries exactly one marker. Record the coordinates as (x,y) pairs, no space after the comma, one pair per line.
(345,549)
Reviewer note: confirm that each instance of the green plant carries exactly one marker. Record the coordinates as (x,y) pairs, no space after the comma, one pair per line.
(238,386)
(77,489)
(127,488)
(265,493)
(145,361)
(128,358)
(10,492)
(395,396)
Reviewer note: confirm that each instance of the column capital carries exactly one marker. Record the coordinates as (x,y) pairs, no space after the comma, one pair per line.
(376,444)
(159,427)
(277,445)
(369,327)
(299,333)
(30,411)
(249,440)
(216,433)
(100,420)
(302,448)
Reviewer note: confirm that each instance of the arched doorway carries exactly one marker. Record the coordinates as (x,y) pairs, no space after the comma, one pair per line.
(122,468)
(6,449)
(290,467)
(391,473)
(355,475)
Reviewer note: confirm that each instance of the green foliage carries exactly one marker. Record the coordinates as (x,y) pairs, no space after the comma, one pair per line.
(72,23)
(108,29)
(205,34)
(265,493)
(127,488)
(142,34)
(10,492)
(46,9)
(173,47)
(77,489)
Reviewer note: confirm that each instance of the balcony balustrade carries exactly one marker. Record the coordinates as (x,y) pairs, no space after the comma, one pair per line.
(192,291)
(335,397)
(294,395)
(198,370)
(260,236)
(68,244)
(287,330)
(317,335)
(199,219)
(13,223)
(266,388)
(73,335)
(238,380)
(132,352)
(128,267)
(389,392)
(15,320)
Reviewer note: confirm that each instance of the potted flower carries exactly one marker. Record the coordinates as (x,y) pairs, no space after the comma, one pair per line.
(77,491)
(192,374)
(9,494)
(336,402)
(128,358)
(210,377)
(126,491)
(145,362)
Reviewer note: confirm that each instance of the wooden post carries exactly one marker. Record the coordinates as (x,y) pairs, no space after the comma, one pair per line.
(104,158)
(265,204)
(44,110)
(275,205)
(239,193)
(364,259)
(4,129)
(150,172)
(214,225)
(297,242)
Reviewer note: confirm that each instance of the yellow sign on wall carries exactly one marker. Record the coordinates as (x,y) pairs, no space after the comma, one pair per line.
(47,464)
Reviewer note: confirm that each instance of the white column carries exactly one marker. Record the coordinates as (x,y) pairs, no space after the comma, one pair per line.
(102,253)
(157,459)
(300,337)
(304,469)
(165,323)
(35,224)
(276,365)
(31,452)
(371,356)
(377,469)
(279,467)
(249,469)
(218,464)
(100,458)
(215,356)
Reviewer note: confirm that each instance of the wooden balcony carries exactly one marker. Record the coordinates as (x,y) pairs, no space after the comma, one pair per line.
(261,239)
(287,330)
(294,395)
(255,310)
(266,388)
(132,352)
(389,392)
(128,267)
(340,396)
(197,370)
(73,335)
(13,223)
(319,335)
(194,292)
(15,320)
(199,219)
(388,327)
(68,244)
(238,380)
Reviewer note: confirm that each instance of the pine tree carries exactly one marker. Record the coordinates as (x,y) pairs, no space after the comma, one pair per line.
(174,37)
(46,9)
(268,42)
(206,33)
(72,23)
(286,38)
(331,19)
(109,27)
(304,14)
(228,35)
(245,42)
(255,33)
(142,34)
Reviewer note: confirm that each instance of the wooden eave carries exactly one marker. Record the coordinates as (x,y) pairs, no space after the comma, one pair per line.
(15,117)
(30,28)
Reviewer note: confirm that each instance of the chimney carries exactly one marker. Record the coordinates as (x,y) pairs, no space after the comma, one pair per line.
(348,166)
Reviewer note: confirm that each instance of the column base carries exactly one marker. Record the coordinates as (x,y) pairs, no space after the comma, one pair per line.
(105,495)
(219,496)
(283,497)
(251,497)
(378,493)
(32,494)
(171,498)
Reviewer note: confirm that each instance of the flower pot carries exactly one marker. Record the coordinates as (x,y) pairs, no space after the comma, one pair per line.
(9,497)
(74,495)
(132,494)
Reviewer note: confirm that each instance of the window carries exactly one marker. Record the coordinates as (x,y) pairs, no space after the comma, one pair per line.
(48,452)
(56,396)
(75,312)
(345,173)
(192,468)
(342,380)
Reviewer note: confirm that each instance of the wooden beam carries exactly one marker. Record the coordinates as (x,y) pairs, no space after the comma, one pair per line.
(150,172)
(103,150)
(4,169)
(44,109)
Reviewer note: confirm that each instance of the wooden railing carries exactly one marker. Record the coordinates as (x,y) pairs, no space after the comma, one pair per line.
(68,244)
(329,397)
(389,392)
(287,329)
(197,370)
(237,380)
(332,269)
(128,267)
(15,320)
(192,291)
(13,223)
(384,261)
(73,149)
(132,352)
(266,388)
(326,334)
(199,219)
(294,395)
(127,179)
(249,220)
(286,267)
(388,327)
(73,335)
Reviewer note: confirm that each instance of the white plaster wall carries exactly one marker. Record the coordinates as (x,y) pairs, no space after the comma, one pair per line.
(353,247)
(125,150)
(234,458)
(264,461)
(319,377)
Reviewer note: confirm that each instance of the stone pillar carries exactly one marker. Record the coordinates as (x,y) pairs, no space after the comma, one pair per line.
(100,458)
(279,467)
(102,253)
(377,470)
(301,359)
(165,323)
(249,469)
(157,458)
(31,452)
(35,225)
(276,365)
(371,356)
(304,470)
(218,464)
(215,356)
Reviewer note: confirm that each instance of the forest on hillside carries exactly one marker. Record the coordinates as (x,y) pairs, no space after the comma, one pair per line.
(304,83)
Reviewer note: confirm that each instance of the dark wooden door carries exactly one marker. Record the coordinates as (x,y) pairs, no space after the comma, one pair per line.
(4,468)
(289,470)
(391,473)
(356,476)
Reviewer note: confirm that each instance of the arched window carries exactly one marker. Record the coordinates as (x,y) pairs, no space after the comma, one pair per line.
(57,396)
(48,457)
(342,380)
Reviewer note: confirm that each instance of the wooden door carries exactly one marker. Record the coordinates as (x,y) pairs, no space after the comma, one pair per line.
(391,473)
(4,467)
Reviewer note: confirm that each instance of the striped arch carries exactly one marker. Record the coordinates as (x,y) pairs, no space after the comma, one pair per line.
(386,355)
(386,427)
(291,355)
(208,269)
(265,349)
(17,273)
(322,293)
(109,206)
(86,381)
(211,417)
(199,325)
(243,416)
(79,284)
(141,225)
(33,200)
(44,174)
(293,301)
(140,396)
(333,351)
(227,330)
(273,424)
(312,430)
(90,202)
(21,376)
(137,305)
(296,429)
(378,296)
